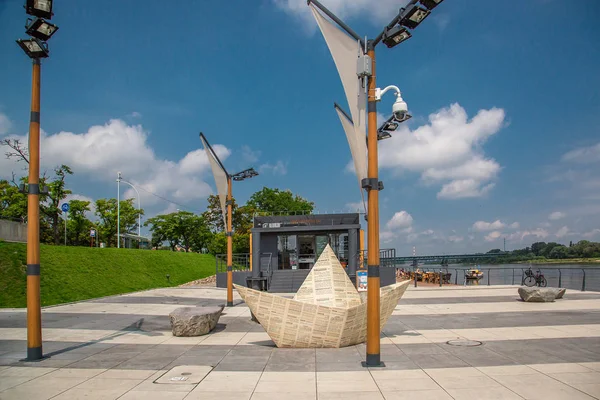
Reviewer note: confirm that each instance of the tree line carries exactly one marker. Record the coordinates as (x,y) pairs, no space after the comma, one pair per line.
(545,251)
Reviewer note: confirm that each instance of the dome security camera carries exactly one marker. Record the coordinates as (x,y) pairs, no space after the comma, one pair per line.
(400,108)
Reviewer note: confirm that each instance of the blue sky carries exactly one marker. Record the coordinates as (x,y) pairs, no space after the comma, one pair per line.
(504,142)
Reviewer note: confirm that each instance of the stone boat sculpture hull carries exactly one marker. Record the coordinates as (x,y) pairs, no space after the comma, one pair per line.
(327,311)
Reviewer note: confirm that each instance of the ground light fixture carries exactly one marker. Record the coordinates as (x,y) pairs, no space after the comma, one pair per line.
(34,48)
(41,29)
(395,36)
(245,174)
(431,4)
(39,8)
(414,16)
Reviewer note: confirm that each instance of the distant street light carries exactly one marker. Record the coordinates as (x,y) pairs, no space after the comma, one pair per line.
(35,49)
(354,57)
(119,180)
(223,181)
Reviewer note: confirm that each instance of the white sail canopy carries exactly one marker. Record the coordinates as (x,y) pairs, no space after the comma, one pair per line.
(345,51)
(220,176)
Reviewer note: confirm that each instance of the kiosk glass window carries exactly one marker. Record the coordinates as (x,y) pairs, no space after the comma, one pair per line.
(287,252)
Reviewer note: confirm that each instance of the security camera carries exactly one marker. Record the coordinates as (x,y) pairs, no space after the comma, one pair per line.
(400,108)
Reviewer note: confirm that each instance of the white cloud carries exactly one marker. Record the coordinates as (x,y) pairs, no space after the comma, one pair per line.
(116,146)
(250,155)
(400,220)
(279,168)
(5,124)
(556,215)
(482,226)
(455,238)
(591,233)
(386,236)
(514,225)
(562,232)
(490,237)
(520,235)
(358,206)
(135,114)
(583,155)
(448,151)
(344,9)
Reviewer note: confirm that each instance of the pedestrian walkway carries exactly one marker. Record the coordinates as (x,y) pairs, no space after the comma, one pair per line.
(440,343)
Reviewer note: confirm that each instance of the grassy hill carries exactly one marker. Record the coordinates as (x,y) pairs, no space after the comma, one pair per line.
(79,273)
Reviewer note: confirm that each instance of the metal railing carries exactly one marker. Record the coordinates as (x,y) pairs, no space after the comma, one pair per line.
(387,258)
(240,262)
(575,278)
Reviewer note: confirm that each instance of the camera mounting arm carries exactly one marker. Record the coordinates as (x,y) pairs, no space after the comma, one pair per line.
(380,92)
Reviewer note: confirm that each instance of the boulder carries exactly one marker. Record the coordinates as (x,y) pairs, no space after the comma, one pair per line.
(194,321)
(537,294)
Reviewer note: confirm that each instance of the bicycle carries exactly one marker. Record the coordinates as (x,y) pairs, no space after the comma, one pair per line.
(532,279)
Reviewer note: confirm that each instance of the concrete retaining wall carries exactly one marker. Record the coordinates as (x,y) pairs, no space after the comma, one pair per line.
(12,231)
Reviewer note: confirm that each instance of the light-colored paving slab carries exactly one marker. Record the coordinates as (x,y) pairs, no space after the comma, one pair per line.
(121,347)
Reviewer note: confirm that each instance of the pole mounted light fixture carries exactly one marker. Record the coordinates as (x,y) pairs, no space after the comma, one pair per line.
(431,4)
(41,29)
(414,16)
(34,48)
(39,8)
(396,35)
(245,174)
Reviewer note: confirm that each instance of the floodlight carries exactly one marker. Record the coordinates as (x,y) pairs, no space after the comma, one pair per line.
(34,48)
(39,8)
(41,29)
(414,16)
(383,135)
(395,36)
(389,126)
(431,4)
(245,174)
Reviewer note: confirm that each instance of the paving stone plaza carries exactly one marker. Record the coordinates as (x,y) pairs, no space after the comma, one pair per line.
(121,347)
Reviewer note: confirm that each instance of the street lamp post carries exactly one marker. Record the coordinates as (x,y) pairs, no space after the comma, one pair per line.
(139,206)
(393,34)
(224,182)
(118,210)
(36,48)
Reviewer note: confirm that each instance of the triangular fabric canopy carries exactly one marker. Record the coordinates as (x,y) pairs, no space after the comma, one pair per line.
(345,51)
(220,176)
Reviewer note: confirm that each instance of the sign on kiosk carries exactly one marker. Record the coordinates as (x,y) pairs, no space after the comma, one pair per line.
(361,280)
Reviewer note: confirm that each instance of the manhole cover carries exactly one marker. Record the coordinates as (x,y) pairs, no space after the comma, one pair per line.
(464,342)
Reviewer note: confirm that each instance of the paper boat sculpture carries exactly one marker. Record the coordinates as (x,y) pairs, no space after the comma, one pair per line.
(327,310)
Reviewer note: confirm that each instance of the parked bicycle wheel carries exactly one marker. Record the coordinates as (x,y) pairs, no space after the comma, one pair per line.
(529,281)
(542,281)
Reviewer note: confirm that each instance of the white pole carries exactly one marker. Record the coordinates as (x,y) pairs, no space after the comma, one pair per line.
(139,208)
(118,210)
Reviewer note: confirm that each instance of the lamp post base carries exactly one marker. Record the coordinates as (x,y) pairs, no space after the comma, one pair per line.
(230,304)
(34,354)
(373,361)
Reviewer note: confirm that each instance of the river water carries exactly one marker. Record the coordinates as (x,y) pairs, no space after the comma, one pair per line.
(571,276)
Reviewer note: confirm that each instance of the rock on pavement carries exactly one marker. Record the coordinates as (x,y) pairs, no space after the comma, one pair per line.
(194,321)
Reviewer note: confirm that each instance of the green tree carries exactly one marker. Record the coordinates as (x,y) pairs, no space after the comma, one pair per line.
(106,211)
(78,225)
(538,247)
(218,243)
(241,217)
(180,228)
(13,204)
(559,251)
(50,206)
(275,201)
